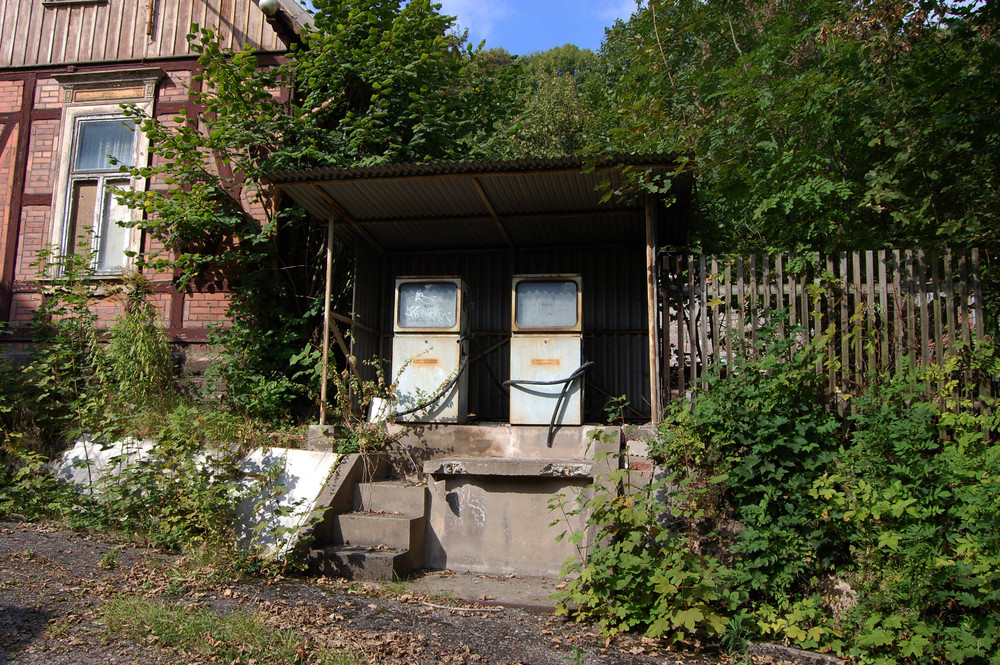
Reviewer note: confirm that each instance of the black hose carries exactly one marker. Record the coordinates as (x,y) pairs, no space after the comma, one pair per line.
(441,393)
(562,395)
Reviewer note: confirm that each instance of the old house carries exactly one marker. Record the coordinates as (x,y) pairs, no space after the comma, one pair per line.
(66,68)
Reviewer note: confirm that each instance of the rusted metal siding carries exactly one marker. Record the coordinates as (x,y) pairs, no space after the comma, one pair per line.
(37,33)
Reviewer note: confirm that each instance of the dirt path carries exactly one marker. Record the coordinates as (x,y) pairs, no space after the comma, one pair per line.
(54,583)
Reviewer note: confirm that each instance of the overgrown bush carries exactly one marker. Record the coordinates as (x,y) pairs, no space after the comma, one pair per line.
(80,384)
(875,534)
(915,494)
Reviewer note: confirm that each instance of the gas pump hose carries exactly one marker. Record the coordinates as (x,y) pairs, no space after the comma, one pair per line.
(441,393)
(567,382)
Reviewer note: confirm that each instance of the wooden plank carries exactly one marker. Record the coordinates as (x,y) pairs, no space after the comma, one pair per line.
(742,299)
(845,324)
(897,307)
(752,286)
(936,307)
(788,287)
(963,298)
(113,29)
(952,335)
(804,298)
(911,315)
(15,49)
(856,305)
(979,313)
(85,50)
(925,327)
(977,295)
(871,321)
(716,309)
(887,318)
(652,307)
(130,16)
(703,306)
(729,326)
(682,360)
(692,303)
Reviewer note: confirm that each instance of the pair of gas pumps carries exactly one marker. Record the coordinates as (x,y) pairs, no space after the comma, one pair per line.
(430,350)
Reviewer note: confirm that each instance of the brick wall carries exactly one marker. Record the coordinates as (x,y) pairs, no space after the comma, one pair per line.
(43,157)
(48,94)
(35,228)
(201,309)
(10,96)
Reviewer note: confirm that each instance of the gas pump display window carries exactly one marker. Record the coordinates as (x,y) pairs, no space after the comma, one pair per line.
(546,304)
(428,305)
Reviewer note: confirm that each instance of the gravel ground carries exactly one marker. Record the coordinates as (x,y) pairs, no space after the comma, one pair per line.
(54,582)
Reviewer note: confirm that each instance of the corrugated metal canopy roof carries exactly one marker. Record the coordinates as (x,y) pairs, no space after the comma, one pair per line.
(478,204)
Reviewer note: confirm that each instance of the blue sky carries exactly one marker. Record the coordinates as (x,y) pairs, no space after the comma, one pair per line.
(525,26)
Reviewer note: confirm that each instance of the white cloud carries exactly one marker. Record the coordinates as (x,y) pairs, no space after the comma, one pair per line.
(478,16)
(619,9)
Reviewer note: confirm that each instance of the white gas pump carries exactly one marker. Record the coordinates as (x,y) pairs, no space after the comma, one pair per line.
(546,348)
(429,350)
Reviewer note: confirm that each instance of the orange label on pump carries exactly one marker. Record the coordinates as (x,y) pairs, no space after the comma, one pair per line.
(425,361)
(546,362)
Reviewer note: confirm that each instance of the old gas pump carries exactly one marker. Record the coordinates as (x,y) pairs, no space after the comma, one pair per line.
(429,351)
(546,348)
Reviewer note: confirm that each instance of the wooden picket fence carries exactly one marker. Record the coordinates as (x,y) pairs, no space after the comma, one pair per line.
(887,305)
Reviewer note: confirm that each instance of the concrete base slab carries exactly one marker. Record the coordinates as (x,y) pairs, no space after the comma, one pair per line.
(286,500)
(356,562)
(448,587)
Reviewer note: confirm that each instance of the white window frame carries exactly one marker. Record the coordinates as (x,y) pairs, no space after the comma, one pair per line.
(90,85)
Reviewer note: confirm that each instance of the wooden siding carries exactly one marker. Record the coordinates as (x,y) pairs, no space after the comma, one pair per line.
(37,33)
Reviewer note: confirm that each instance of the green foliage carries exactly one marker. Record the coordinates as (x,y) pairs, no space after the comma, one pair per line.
(874,534)
(354,398)
(769,437)
(179,494)
(636,573)
(137,355)
(817,124)
(915,494)
(562,106)
(64,377)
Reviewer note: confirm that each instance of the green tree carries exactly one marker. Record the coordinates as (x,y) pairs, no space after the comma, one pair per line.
(373,82)
(561,108)
(815,123)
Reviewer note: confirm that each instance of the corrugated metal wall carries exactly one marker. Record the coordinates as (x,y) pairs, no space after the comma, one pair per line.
(367,310)
(33,32)
(614,322)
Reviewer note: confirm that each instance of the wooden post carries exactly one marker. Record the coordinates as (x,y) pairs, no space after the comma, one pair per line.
(651,315)
(326,320)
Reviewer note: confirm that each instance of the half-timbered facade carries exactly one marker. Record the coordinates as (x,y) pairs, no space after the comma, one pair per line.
(66,68)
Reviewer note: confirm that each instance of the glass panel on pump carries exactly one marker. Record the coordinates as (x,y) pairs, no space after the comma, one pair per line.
(428,305)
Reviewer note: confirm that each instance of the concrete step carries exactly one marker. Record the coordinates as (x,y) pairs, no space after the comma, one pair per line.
(379,529)
(391,496)
(356,562)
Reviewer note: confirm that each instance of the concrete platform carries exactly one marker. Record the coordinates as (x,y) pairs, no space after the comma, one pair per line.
(451,588)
